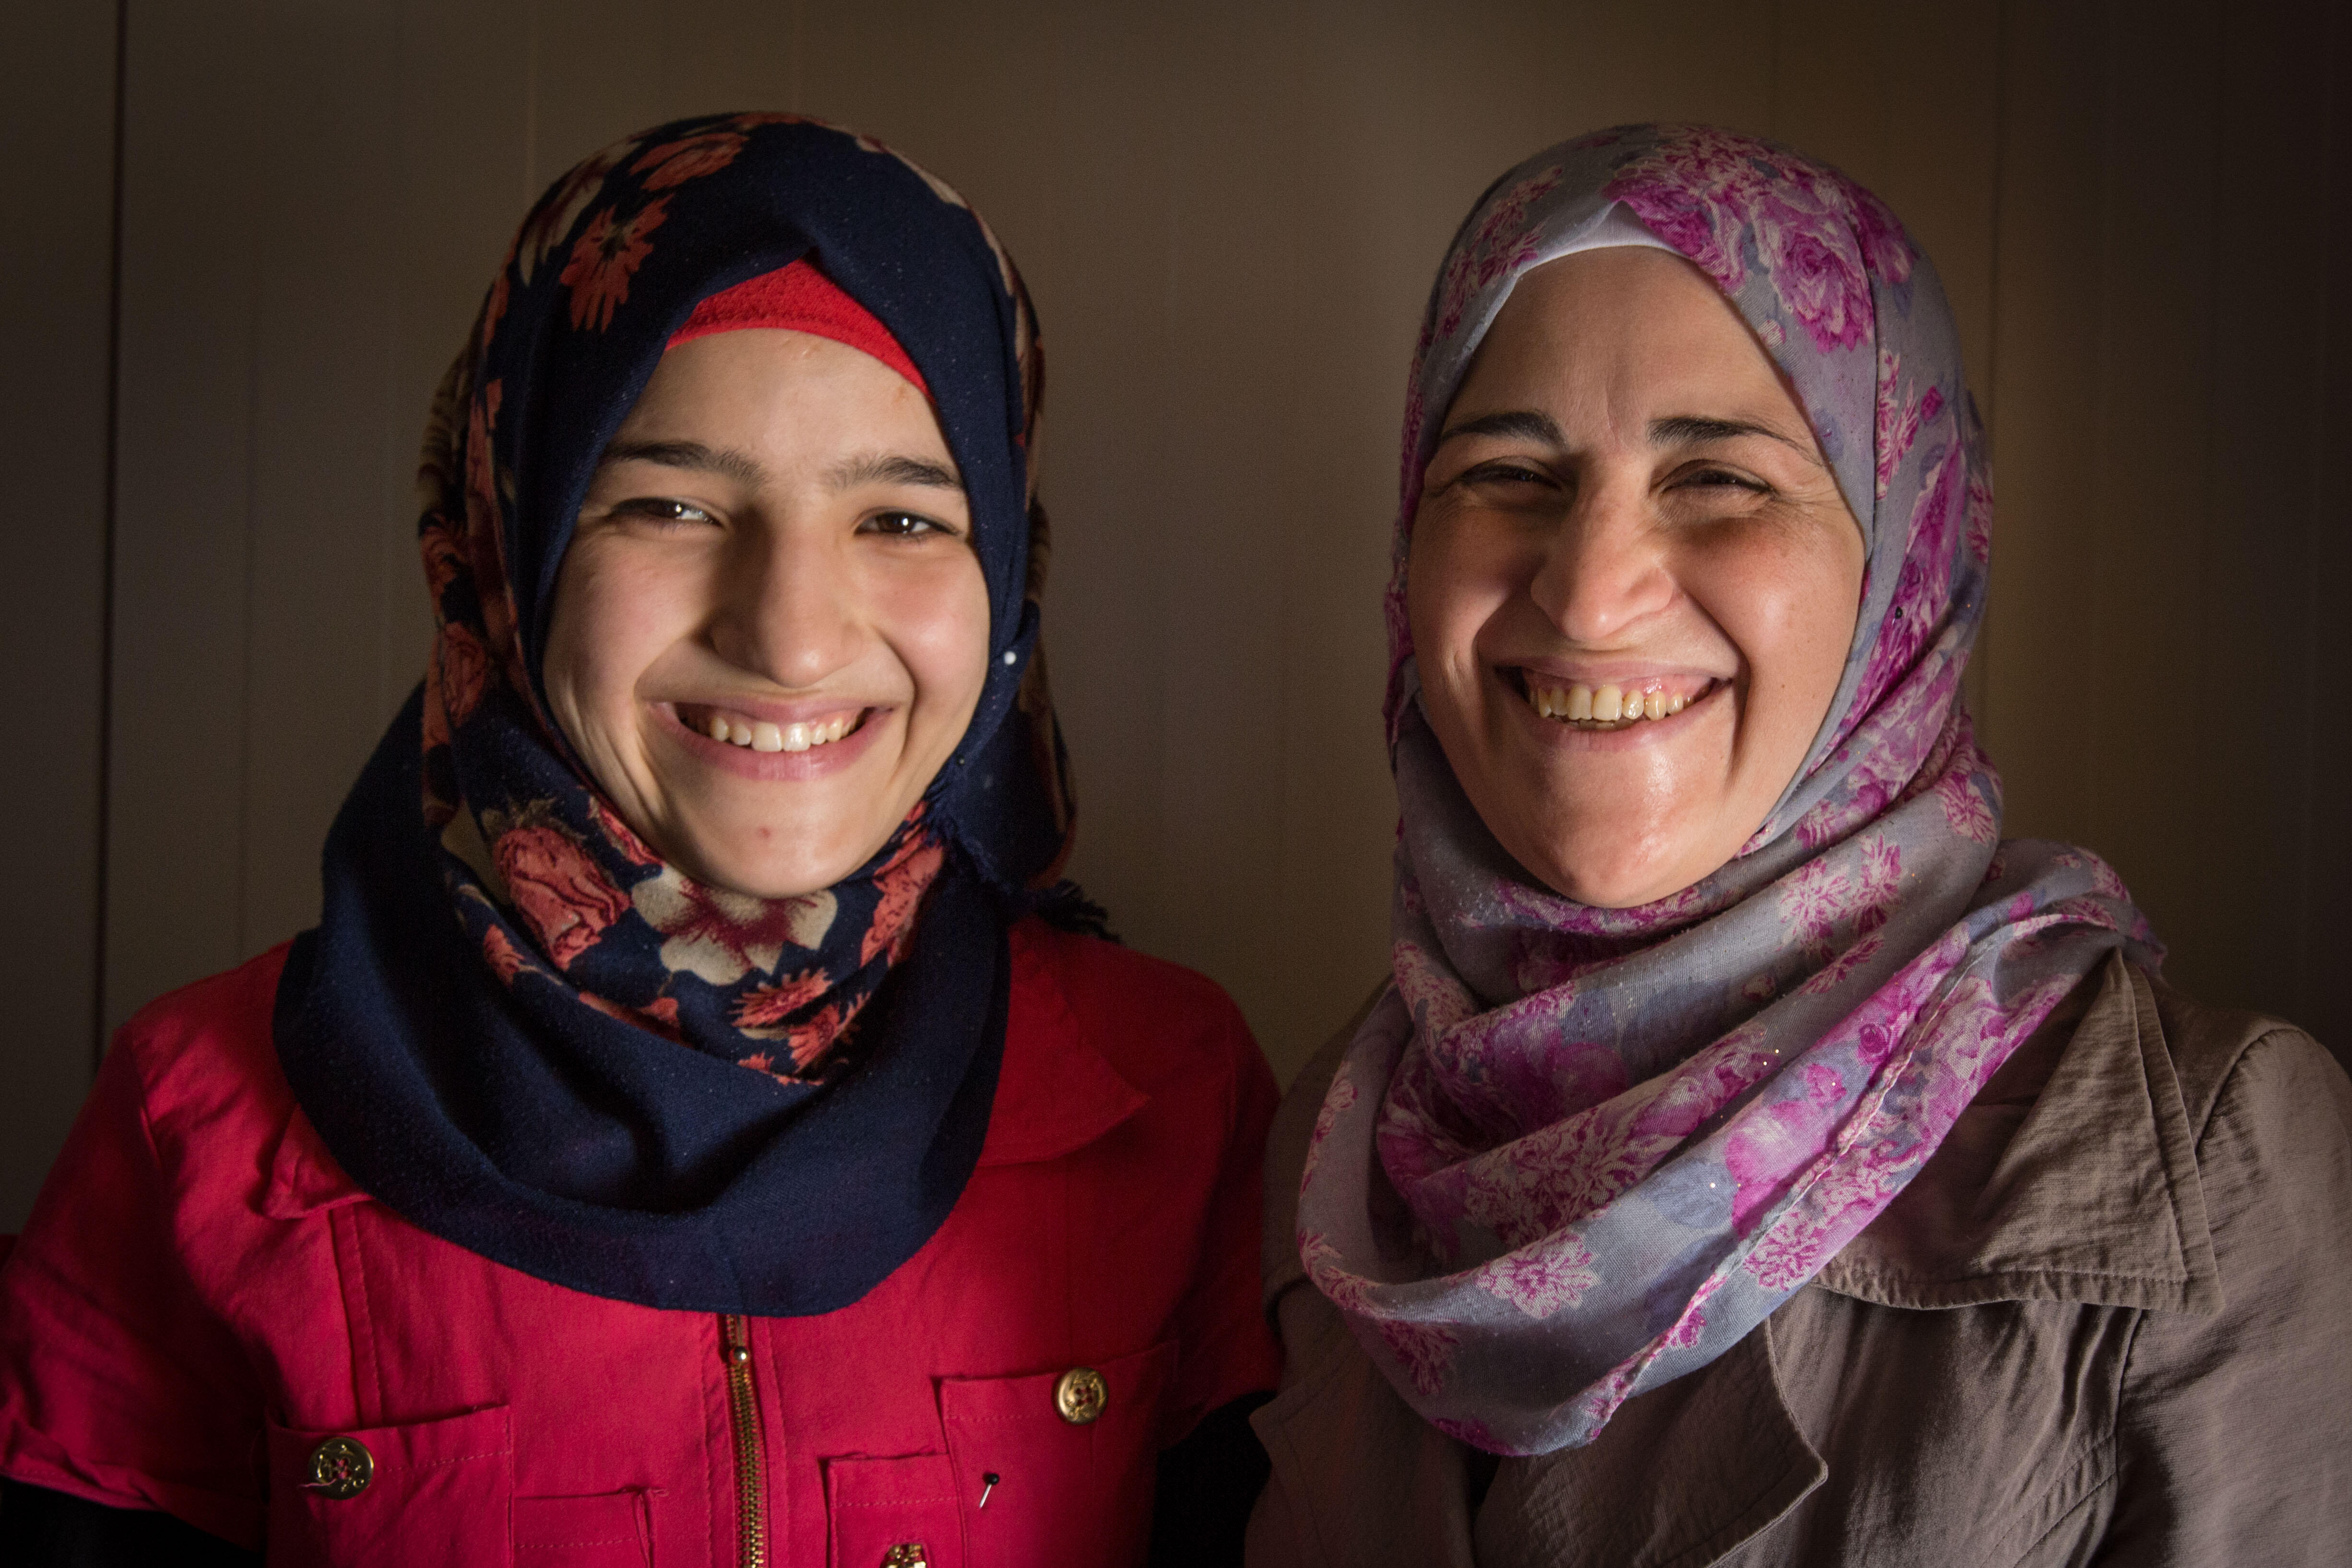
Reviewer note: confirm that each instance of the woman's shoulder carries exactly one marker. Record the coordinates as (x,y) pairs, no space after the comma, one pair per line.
(1154,1021)
(205,1054)
(2260,1070)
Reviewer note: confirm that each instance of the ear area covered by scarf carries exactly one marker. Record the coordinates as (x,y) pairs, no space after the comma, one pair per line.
(517,1023)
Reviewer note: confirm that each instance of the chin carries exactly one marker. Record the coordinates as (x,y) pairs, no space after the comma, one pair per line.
(1597,868)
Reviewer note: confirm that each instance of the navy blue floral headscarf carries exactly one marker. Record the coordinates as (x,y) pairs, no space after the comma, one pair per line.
(516,1025)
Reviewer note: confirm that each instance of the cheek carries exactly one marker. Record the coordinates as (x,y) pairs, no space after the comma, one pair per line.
(612,618)
(1451,591)
(1789,606)
(943,633)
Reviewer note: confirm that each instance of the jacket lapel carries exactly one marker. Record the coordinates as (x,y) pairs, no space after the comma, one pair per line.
(2087,1193)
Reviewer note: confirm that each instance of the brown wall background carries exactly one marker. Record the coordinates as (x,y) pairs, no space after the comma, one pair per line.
(246,237)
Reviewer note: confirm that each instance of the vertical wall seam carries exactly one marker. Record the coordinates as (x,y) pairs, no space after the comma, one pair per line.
(2332,191)
(253,366)
(108,490)
(1988,377)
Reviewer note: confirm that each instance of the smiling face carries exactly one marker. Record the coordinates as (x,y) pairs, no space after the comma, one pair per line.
(1632,580)
(770,629)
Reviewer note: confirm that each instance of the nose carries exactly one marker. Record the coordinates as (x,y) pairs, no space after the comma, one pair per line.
(1606,568)
(787,607)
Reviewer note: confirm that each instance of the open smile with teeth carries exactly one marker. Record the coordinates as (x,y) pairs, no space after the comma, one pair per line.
(760,736)
(1613,706)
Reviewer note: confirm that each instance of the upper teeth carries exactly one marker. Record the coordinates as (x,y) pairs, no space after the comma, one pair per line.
(1603,705)
(761,736)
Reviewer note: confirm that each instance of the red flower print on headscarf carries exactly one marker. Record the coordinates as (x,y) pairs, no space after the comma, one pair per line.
(506,959)
(605,259)
(620,834)
(769,1005)
(557,889)
(902,883)
(675,162)
(658,1017)
(547,225)
(465,672)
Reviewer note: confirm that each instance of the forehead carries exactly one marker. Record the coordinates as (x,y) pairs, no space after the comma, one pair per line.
(770,387)
(1637,322)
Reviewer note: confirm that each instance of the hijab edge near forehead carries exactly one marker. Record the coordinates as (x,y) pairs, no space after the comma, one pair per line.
(802,211)
(1556,224)
(1004,619)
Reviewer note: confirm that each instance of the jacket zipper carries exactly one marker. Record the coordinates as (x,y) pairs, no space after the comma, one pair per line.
(751,1452)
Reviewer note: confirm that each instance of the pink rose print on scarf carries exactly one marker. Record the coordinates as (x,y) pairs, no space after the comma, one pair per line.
(1815,230)
(675,162)
(1924,589)
(1425,1351)
(1338,1100)
(1899,417)
(1965,811)
(1813,901)
(1775,1141)
(1501,245)
(606,257)
(1541,1278)
(721,936)
(1882,879)
(557,889)
(1816,268)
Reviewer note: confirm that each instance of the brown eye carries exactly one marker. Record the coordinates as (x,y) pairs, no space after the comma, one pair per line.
(902,525)
(662,510)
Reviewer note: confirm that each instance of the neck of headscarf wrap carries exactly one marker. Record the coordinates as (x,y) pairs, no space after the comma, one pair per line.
(516,1023)
(1576,1153)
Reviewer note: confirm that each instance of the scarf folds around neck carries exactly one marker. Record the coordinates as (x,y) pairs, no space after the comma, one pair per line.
(1576,1153)
(515,1023)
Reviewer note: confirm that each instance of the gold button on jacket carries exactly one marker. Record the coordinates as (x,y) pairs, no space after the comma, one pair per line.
(1081,1395)
(341,1467)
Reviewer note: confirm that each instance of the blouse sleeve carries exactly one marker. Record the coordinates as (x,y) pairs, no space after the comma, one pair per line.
(2230,1440)
(117,1384)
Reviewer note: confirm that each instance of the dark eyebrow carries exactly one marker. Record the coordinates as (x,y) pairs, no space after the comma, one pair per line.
(732,464)
(1525,423)
(891,469)
(1684,429)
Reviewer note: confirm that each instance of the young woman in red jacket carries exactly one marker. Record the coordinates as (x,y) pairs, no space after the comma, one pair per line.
(696,1131)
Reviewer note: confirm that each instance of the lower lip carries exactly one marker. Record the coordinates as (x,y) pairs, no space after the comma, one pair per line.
(1649,731)
(769,767)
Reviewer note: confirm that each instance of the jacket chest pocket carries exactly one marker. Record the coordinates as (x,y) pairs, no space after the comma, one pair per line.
(420,1491)
(439,1493)
(1057,1468)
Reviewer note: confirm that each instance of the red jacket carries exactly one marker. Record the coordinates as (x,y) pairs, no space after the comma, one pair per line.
(206,1316)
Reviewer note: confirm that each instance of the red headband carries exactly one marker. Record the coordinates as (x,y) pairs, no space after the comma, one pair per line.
(799,299)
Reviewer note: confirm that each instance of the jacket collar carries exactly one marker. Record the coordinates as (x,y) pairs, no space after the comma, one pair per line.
(2073,1177)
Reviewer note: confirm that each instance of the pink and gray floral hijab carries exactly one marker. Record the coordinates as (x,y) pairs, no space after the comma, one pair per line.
(1576,1153)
